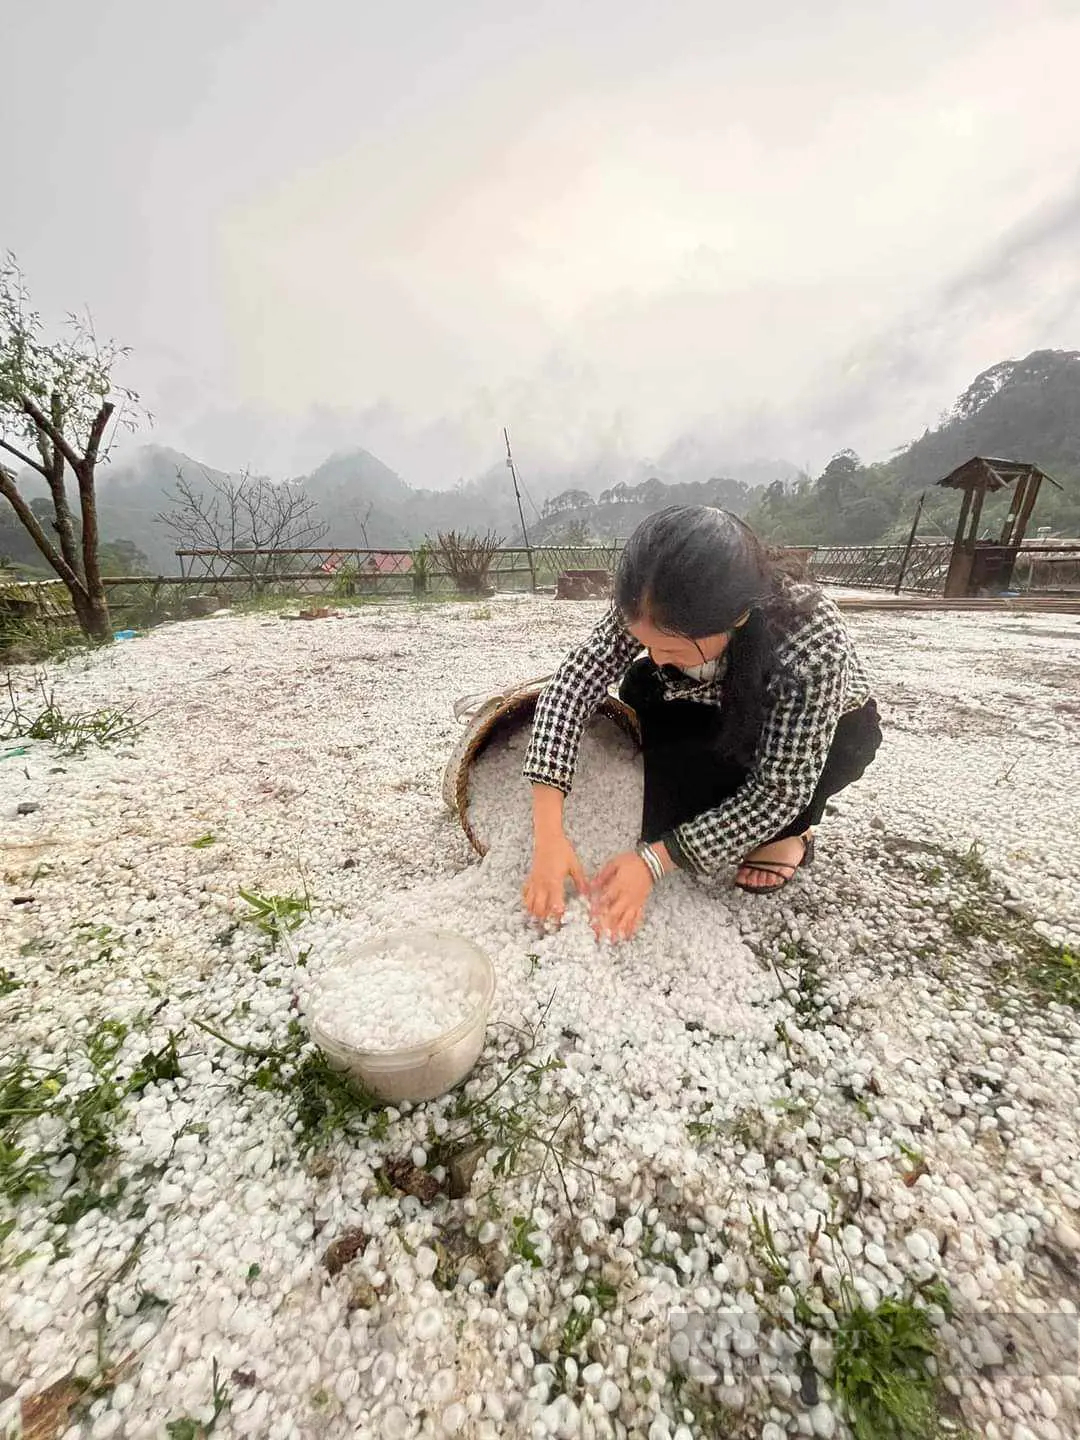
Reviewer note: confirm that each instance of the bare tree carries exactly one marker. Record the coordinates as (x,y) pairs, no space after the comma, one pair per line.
(57,400)
(242,514)
(468,558)
(363,524)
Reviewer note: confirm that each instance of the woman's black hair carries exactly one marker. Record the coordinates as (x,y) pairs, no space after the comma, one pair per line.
(693,570)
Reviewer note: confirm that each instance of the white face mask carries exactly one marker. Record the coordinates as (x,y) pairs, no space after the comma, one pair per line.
(707,671)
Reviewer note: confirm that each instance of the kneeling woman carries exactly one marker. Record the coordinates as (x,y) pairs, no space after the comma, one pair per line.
(753,709)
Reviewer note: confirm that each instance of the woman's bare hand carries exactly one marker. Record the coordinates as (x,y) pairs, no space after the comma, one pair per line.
(554,862)
(619,895)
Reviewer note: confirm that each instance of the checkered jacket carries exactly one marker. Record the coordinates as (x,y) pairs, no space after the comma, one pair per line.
(817,678)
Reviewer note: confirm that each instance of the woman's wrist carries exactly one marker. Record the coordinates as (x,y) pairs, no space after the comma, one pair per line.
(548,805)
(656,859)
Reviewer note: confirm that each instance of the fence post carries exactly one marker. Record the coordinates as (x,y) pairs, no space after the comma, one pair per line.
(521,512)
(910,543)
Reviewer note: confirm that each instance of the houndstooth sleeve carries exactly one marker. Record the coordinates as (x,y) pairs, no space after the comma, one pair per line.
(570,700)
(806,699)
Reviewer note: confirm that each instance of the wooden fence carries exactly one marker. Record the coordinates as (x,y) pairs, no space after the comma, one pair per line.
(1048,568)
(326,570)
(921,571)
(1043,567)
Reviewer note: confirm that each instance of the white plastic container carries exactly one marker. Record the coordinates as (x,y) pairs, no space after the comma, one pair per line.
(421,1072)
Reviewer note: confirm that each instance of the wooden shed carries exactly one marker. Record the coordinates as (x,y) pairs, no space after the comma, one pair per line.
(981,567)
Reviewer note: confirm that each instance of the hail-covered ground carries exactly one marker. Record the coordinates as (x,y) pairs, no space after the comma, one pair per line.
(724,1180)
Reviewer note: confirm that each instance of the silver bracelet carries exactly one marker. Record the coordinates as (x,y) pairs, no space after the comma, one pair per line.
(653,863)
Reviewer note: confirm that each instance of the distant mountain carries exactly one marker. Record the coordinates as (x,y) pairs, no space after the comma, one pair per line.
(1025,410)
(691,458)
(1020,410)
(133,492)
(574,516)
(353,475)
(361,499)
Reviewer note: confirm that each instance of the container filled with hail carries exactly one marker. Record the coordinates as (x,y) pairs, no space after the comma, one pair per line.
(405,1014)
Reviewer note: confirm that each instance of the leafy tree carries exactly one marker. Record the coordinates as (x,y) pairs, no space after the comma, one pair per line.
(57,404)
(574,532)
(122,557)
(775,495)
(863,521)
(840,478)
(567,500)
(651,492)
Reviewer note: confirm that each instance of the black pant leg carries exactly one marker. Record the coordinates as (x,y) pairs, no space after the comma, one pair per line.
(685,773)
(856,742)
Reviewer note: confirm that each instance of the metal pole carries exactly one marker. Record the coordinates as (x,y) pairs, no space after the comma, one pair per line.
(910,543)
(521,512)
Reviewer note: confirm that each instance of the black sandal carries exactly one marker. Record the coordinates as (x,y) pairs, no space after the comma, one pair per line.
(777,868)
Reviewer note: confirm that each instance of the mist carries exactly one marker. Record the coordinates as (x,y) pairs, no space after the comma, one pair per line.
(764,234)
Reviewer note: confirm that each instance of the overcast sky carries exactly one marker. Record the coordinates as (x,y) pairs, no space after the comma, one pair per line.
(783,227)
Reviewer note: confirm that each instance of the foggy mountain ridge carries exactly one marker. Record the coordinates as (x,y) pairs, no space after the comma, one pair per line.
(365,503)
(1026,409)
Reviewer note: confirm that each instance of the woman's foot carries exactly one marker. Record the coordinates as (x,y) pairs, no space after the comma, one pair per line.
(771,866)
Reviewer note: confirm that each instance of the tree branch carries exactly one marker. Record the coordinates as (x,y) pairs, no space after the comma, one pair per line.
(97,430)
(236,513)
(90,557)
(10,492)
(26,460)
(195,523)
(45,448)
(65,526)
(88,507)
(42,421)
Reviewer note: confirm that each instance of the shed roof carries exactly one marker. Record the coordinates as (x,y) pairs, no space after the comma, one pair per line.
(981,472)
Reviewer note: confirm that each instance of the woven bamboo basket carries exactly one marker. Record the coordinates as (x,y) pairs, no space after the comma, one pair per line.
(493,715)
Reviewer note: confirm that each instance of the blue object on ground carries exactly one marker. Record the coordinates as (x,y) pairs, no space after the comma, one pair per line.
(124,634)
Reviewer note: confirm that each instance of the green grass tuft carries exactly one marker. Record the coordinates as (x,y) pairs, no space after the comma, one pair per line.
(520,1244)
(8,983)
(72,733)
(88,1120)
(602,1298)
(325,1104)
(187,1428)
(275,915)
(1055,973)
(881,1371)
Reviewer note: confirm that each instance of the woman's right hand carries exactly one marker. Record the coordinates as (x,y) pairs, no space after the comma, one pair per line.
(554,862)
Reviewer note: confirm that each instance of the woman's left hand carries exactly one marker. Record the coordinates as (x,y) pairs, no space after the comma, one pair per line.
(619,894)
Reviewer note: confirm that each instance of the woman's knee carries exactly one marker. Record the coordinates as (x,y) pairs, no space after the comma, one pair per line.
(854,747)
(867,737)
